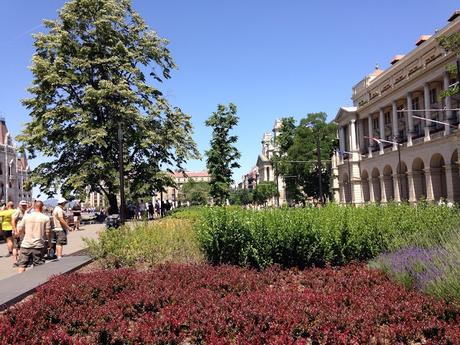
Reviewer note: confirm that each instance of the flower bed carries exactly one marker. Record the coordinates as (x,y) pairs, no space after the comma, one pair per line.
(432,269)
(201,304)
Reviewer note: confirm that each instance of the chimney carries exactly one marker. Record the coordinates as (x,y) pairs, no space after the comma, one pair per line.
(422,39)
(3,130)
(396,58)
(454,15)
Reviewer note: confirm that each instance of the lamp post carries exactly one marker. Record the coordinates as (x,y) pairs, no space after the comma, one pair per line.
(276,176)
(398,170)
(121,173)
(318,161)
(320,175)
(6,168)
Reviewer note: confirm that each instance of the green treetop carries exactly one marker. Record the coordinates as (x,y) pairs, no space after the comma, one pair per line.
(451,43)
(223,155)
(195,192)
(94,69)
(264,191)
(296,159)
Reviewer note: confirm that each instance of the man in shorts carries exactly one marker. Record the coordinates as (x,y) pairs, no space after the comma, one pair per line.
(17,217)
(60,227)
(7,228)
(36,230)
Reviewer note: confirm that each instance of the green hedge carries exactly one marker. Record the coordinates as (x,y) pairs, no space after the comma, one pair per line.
(316,236)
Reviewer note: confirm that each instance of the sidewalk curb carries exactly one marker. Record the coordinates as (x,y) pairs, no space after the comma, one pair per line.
(29,281)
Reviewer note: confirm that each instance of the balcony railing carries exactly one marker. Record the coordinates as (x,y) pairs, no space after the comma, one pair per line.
(418,140)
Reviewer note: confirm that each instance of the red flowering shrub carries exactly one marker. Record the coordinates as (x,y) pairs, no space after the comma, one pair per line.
(200,304)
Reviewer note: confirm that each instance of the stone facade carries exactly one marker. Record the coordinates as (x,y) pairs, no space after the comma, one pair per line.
(172,193)
(95,200)
(388,151)
(14,169)
(249,181)
(264,170)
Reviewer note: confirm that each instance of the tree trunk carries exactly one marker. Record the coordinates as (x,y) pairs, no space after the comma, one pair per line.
(113,204)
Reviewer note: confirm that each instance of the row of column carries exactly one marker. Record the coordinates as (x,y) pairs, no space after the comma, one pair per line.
(352,136)
(417,188)
(410,118)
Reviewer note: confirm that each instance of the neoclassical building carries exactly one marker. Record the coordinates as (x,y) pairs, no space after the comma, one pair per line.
(389,150)
(14,168)
(173,193)
(264,170)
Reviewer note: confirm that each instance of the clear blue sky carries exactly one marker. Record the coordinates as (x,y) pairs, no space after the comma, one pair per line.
(271,58)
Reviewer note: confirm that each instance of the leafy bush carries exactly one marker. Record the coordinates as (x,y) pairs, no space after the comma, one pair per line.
(146,244)
(201,304)
(190,213)
(316,236)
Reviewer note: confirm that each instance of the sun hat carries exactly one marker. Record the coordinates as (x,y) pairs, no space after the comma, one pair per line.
(62,201)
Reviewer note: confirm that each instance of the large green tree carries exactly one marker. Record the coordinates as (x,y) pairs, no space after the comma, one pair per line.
(95,68)
(296,159)
(264,191)
(195,192)
(241,196)
(223,156)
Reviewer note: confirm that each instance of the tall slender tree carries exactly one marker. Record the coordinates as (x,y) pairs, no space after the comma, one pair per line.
(94,69)
(223,156)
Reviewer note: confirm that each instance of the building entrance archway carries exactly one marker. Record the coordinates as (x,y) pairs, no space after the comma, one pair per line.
(403,181)
(375,180)
(418,171)
(388,182)
(365,182)
(346,188)
(438,177)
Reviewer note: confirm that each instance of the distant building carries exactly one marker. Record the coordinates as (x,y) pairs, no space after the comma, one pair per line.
(249,180)
(400,140)
(95,200)
(14,169)
(264,169)
(171,194)
(180,178)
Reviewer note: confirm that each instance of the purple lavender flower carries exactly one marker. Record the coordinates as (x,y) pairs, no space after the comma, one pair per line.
(421,265)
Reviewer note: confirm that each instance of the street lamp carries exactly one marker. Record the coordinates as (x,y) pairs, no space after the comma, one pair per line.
(6,167)
(318,162)
(398,170)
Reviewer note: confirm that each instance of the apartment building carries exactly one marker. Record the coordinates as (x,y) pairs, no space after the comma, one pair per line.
(400,140)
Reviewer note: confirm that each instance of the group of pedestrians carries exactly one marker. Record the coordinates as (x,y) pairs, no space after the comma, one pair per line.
(32,235)
(150,210)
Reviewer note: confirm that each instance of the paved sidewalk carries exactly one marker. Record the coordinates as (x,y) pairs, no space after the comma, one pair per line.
(16,287)
(75,240)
